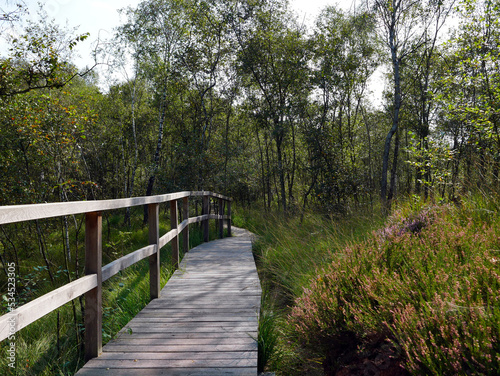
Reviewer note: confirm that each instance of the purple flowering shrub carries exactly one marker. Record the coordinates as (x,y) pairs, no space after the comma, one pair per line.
(406,304)
(412,223)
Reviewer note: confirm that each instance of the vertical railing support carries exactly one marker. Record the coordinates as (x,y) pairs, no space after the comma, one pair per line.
(221,218)
(93,298)
(229,217)
(174,220)
(154,259)
(185,232)
(204,211)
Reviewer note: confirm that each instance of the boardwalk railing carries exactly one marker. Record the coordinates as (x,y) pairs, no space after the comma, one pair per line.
(95,273)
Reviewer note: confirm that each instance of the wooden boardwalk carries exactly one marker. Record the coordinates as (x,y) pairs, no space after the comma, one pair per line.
(204,323)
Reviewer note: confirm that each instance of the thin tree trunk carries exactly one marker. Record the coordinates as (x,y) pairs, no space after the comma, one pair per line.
(156,158)
(281,171)
(395,120)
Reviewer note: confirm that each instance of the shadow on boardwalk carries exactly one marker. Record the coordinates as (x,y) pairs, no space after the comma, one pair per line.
(204,323)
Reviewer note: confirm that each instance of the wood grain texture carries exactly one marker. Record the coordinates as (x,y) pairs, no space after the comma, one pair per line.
(204,322)
(124,262)
(19,213)
(93,298)
(32,311)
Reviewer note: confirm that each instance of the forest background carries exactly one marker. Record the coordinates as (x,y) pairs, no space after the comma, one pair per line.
(242,98)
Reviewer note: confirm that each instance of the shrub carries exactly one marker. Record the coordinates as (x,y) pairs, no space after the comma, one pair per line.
(422,294)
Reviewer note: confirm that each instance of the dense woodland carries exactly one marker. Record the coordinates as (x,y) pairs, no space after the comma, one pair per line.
(240,97)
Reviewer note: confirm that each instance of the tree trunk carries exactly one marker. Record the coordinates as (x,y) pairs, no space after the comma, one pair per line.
(156,158)
(281,170)
(395,118)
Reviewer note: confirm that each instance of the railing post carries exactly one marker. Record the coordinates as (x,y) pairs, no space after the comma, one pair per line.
(229,219)
(185,232)
(154,259)
(221,218)
(93,298)
(204,211)
(174,216)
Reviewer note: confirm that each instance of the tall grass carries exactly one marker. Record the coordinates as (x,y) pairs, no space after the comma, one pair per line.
(39,349)
(414,294)
(289,251)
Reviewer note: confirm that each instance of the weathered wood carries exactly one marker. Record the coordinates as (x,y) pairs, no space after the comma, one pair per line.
(198,219)
(37,308)
(174,221)
(229,218)
(185,218)
(221,218)
(168,372)
(250,346)
(201,326)
(179,356)
(190,335)
(154,259)
(20,213)
(93,298)
(177,341)
(208,326)
(165,239)
(205,212)
(124,262)
(182,226)
(170,363)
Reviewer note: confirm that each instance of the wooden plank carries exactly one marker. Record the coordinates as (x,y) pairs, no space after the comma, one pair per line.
(154,259)
(161,318)
(124,262)
(172,363)
(184,227)
(205,211)
(37,308)
(93,298)
(180,348)
(165,239)
(204,323)
(19,213)
(174,220)
(229,231)
(211,194)
(197,219)
(124,340)
(188,335)
(186,355)
(251,371)
(175,311)
(207,327)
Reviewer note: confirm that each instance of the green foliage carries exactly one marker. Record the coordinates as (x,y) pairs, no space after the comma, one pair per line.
(38,58)
(431,158)
(421,291)
(288,253)
(53,344)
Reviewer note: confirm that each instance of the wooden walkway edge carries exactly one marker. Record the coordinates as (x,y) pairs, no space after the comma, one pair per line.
(204,322)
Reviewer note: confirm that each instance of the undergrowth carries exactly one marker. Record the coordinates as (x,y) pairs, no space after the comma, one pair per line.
(414,294)
(53,345)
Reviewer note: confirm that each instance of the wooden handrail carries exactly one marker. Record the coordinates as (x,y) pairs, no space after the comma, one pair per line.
(91,283)
(21,213)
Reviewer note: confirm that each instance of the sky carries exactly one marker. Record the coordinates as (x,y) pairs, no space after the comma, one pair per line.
(99,17)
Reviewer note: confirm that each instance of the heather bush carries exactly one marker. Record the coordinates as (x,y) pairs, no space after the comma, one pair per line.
(420,296)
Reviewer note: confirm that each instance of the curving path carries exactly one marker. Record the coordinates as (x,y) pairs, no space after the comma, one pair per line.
(204,322)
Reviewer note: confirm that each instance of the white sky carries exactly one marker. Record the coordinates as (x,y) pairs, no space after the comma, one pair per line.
(99,17)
